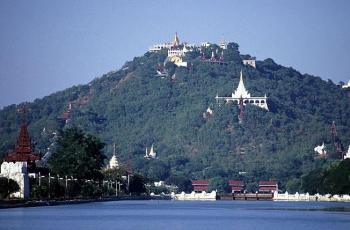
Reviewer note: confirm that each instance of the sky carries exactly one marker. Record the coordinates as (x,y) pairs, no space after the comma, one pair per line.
(47,46)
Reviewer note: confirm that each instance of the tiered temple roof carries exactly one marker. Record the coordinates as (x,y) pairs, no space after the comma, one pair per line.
(24,150)
(242,94)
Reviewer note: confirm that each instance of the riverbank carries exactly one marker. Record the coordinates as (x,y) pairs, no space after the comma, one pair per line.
(38,203)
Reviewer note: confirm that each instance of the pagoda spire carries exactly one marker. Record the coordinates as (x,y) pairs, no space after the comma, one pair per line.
(23,149)
(114,149)
(241,90)
(176,40)
(113,162)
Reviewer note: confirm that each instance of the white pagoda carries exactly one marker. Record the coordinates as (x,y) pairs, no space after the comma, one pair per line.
(151,153)
(113,162)
(321,150)
(241,93)
(346,86)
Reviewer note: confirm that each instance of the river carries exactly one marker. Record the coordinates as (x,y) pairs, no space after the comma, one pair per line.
(167,215)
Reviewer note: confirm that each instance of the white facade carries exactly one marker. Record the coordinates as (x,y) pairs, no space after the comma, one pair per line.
(159,183)
(223,44)
(346,85)
(18,172)
(159,47)
(205,44)
(194,196)
(321,149)
(250,62)
(241,93)
(113,162)
(151,153)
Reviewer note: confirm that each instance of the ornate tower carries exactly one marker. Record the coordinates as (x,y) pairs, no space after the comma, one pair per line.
(16,162)
(176,40)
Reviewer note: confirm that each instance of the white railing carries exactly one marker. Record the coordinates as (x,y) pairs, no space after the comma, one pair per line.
(307,197)
(194,196)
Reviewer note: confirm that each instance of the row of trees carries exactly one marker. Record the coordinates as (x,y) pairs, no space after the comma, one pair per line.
(330,179)
(75,169)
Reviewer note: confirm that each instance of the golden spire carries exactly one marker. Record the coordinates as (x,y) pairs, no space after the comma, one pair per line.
(176,40)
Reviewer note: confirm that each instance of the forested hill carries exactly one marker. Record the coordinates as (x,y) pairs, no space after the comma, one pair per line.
(135,108)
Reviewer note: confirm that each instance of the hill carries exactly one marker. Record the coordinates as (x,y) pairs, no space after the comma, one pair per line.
(136,108)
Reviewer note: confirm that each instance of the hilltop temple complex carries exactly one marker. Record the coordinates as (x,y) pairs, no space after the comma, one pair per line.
(178,50)
(242,96)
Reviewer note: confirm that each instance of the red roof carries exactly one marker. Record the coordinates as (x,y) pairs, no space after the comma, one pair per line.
(235,183)
(265,188)
(267,183)
(23,149)
(200,182)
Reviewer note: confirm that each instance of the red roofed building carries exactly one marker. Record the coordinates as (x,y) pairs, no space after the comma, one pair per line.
(200,185)
(236,186)
(268,186)
(17,162)
(23,149)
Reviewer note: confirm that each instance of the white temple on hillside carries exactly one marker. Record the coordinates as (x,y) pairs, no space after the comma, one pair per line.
(321,150)
(346,85)
(113,162)
(347,155)
(250,62)
(177,52)
(223,44)
(151,153)
(242,94)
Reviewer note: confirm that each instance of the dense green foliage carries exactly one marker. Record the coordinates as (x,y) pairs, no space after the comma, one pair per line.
(136,109)
(78,155)
(7,186)
(182,183)
(137,185)
(333,179)
(218,184)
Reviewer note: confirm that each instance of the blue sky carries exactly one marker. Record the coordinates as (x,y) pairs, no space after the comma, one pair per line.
(47,46)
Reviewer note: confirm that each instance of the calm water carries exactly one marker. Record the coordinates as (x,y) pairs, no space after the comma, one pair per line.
(165,215)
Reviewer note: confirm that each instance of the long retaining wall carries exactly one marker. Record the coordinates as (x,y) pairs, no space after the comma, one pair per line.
(194,196)
(307,197)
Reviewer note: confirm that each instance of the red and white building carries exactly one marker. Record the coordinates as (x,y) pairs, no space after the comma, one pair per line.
(200,185)
(236,186)
(268,186)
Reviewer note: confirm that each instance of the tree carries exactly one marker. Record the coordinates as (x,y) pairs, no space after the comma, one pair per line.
(219,184)
(183,183)
(137,185)
(7,186)
(334,179)
(78,155)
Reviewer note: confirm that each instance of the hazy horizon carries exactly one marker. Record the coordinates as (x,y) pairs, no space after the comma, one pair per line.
(48,46)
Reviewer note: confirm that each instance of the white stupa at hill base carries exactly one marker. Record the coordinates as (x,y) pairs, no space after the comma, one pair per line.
(321,150)
(151,153)
(347,155)
(346,86)
(113,162)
